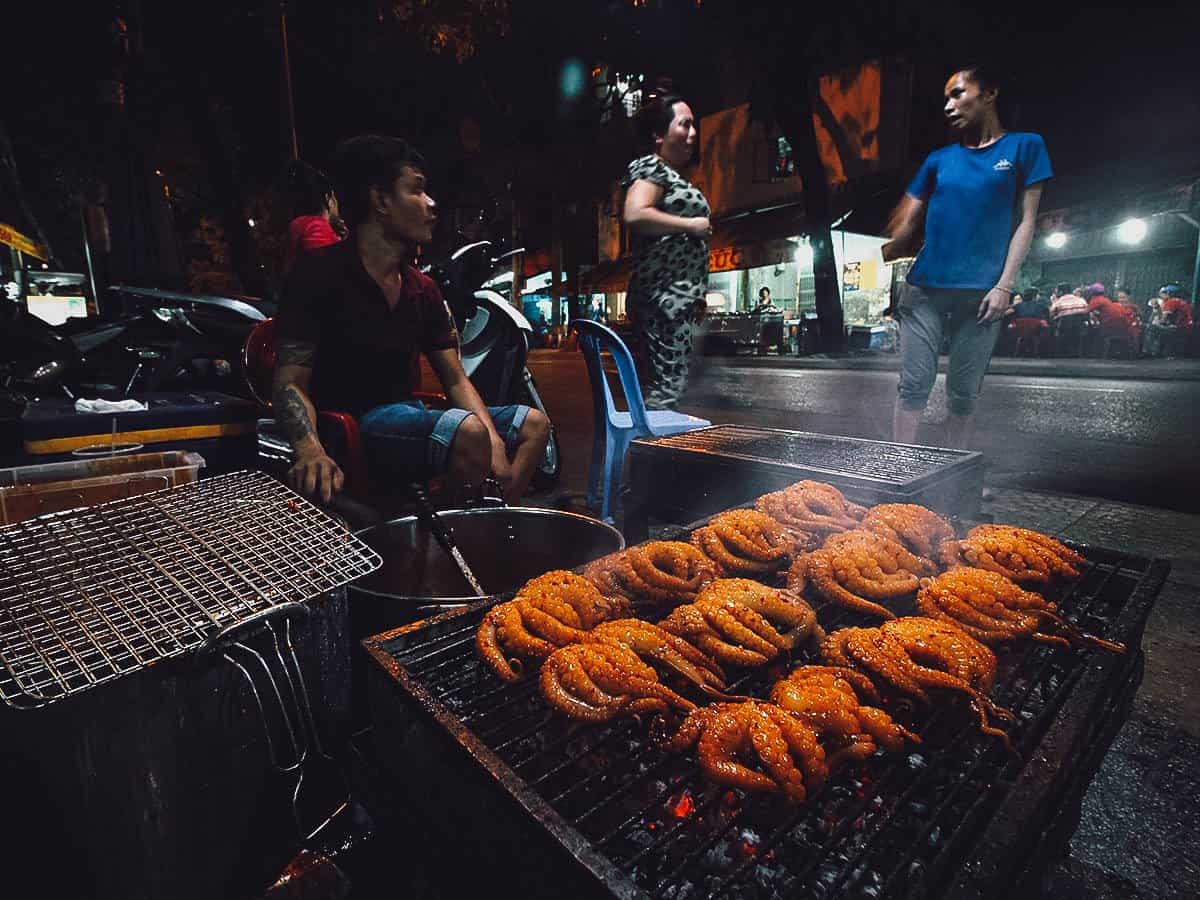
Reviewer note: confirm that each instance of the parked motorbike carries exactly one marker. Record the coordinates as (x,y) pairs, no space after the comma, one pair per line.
(162,341)
(494,339)
(42,360)
(191,341)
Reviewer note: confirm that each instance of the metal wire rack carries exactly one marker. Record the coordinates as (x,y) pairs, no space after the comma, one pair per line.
(89,595)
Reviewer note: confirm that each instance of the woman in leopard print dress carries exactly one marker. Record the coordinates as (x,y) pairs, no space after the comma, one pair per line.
(669,220)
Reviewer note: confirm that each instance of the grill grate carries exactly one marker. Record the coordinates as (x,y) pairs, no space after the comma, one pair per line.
(89,595)
(891,827)
(881,461)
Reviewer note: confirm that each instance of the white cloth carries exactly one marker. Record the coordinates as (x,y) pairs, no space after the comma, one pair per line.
(109,406)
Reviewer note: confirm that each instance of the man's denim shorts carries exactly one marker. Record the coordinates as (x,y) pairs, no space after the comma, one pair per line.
(411,440)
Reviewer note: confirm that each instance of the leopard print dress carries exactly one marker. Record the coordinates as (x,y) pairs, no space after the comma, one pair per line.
(670,279)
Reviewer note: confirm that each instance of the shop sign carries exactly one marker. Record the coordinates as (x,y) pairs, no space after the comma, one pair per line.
(749,256)
(18,241)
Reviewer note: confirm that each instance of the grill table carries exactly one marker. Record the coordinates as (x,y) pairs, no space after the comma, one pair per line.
(685,477)
(554,808)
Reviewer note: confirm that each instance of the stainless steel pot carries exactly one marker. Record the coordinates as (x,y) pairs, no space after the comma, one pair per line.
(504,546)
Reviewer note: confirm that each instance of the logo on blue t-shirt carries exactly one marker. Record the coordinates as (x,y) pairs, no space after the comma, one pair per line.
(1002,166)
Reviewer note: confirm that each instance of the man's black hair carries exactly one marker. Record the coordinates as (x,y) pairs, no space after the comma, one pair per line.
(308,189)
(1032,293)
(1063,288)
(763,288)
(366,161)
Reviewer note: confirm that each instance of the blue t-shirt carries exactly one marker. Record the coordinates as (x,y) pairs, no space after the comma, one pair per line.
(1033,309)
(973,209)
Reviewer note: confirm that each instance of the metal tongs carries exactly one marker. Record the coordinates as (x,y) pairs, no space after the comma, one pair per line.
(292,715)
(431,520)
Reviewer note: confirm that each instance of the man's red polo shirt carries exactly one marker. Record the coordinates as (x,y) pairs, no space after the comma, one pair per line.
(365,351)
(1179,310)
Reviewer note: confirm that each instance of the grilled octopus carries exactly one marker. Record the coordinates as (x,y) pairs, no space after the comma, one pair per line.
(832,701)
(550,611)
(725,734)
(743,623)
(656,646)
(913,655)
(596,682)
(1025,556)
(653,575)
(917,528)
(748,542)
(858,569)
(994,609)
(811,506)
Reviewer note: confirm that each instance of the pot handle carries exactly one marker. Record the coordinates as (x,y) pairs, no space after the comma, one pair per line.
(490,494)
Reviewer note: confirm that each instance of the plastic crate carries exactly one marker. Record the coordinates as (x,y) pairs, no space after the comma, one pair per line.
(30,491)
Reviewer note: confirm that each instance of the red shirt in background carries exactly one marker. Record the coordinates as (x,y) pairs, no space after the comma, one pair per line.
(1177,311)
(1113,317)
(305,234)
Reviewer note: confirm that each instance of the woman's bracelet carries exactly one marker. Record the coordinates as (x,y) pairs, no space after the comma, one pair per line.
(1004,289)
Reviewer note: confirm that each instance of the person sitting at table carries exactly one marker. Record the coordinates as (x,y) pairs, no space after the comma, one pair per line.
(1114,321)
(1032,306)
(1068,314)
(1173,321)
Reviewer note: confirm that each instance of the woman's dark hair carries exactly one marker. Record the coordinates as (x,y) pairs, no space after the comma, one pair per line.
(992,78)
(307,189)
(655,118)
(763,290)
(367,161)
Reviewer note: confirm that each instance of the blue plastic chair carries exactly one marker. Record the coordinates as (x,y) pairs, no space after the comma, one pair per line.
(613,430)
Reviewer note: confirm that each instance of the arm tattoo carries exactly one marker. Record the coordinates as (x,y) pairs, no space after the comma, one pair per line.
(292,414)
(296,353)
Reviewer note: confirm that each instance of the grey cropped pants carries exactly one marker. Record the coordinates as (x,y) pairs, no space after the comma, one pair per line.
(925,314)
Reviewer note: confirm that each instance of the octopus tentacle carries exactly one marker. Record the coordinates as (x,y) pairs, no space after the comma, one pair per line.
(811,506)
(913,526)
(651,642)
(745,541)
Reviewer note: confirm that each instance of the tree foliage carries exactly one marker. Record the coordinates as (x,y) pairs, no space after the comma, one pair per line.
(457,27)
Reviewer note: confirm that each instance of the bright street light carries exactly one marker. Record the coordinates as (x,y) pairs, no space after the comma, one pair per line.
(1131,231)
(1056,240)
(804,253)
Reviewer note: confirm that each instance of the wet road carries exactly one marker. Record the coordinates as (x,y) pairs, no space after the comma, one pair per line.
(1128,440)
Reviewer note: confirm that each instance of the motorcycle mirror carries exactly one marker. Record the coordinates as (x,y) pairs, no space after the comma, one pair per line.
(509,255)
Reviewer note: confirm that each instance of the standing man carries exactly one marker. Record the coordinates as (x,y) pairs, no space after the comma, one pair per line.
(978,199)
(352,320)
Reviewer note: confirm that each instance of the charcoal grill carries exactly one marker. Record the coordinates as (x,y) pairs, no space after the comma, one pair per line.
(548,807)
(684,477)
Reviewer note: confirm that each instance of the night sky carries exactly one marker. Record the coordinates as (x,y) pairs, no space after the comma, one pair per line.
(1114,91)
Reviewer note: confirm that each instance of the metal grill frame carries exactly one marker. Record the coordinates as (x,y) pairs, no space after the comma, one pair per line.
(89,595)
(719,477)
(937,459)
(985,848)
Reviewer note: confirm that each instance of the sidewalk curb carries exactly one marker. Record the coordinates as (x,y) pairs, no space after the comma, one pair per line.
(1142,370)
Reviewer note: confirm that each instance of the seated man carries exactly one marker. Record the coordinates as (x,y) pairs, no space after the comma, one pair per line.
(1168,330)
(1068,313)
(351,321)
(1113,319)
